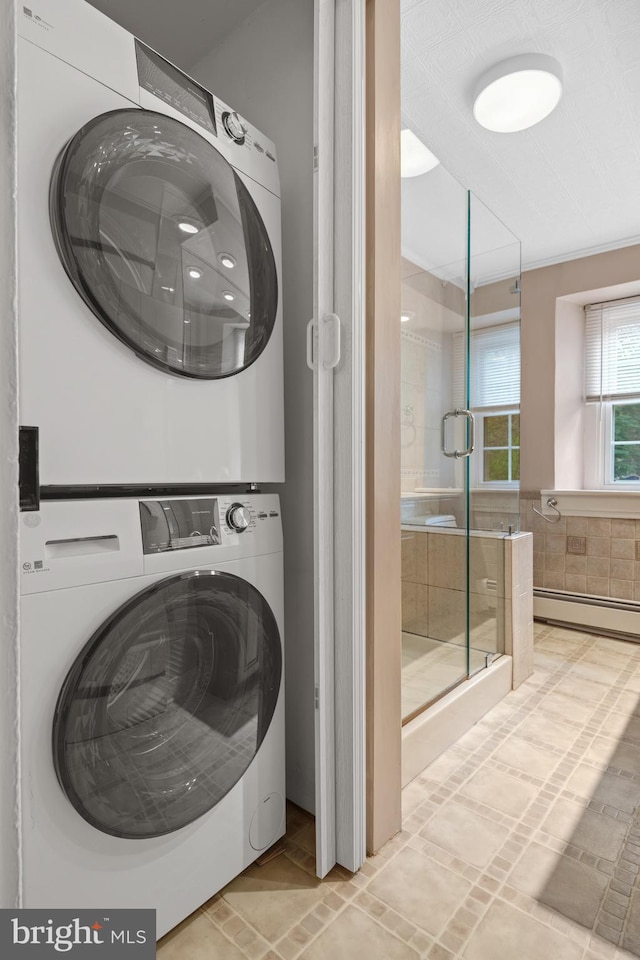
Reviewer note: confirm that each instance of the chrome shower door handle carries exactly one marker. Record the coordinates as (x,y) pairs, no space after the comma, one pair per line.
(471,431)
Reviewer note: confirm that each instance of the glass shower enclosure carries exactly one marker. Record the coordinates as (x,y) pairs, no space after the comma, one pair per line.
(460,434)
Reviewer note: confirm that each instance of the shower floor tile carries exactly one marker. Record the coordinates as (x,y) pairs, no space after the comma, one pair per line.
(429,667)
(517,845)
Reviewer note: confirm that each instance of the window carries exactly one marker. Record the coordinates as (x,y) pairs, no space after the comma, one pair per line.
(494,399)
(612,392)
(499,445)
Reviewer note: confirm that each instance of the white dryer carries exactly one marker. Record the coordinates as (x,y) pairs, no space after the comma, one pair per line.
(150,318)
(152,700)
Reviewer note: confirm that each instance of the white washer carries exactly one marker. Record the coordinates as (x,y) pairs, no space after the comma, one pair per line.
(149,265)
(152,699)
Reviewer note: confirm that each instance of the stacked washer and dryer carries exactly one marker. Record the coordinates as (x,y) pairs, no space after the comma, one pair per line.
(150,350)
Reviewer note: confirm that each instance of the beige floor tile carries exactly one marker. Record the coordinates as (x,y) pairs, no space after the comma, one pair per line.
(305,837)
(445,765)
(628,702)
(593,784)
(562,883)
(423,891)
(546,660)
(598,835)
(619,724)
(274,897)
(413,795)
(633,684)
(610,655)
(554,732)
(355,935)
(533,870)
(500,791)
(524,756)
(595,672)
(506,933)
(626,756)
(602,750)
(465,833)
(196,938)
(589,689)
(567,708)
(560,645)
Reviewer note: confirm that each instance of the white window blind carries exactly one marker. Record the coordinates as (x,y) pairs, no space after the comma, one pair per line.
(612,350)
(495,367)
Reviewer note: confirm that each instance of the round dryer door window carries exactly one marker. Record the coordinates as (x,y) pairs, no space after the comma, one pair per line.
(163,241)
(167,704)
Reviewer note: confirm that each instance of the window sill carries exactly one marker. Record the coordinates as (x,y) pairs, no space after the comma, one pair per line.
(620,504)
(496,488)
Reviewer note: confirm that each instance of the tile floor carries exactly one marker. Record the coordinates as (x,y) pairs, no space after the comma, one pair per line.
(429,667)
(520,842)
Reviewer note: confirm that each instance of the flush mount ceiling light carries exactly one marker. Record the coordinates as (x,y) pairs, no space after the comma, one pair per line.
(518,93)
(188,227)
(416,159)
(228,295)
(194,273)
(406,315)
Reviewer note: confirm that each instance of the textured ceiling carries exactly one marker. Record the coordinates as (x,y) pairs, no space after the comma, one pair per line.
(182,30)
(569,185)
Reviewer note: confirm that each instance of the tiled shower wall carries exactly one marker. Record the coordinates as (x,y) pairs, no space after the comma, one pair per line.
(433,588)
(596,556)
(421,388)
(433,596)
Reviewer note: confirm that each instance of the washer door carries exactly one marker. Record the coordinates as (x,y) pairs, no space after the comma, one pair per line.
(167,704)
(164,243)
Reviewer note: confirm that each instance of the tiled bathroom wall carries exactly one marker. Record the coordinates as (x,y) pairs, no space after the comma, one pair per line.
(596,556)
(421,367)
(433,588)
(434,309)
(500,574)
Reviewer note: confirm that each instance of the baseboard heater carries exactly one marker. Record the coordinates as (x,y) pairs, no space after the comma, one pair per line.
(605,615)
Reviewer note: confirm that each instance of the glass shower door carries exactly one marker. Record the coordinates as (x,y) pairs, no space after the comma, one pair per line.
(435,439)
(460,435)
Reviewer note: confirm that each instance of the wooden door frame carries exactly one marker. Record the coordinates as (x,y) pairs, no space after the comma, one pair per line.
(383,248)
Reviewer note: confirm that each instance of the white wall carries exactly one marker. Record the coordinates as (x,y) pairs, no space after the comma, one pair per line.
(9,617)
(541,290)
(264,69)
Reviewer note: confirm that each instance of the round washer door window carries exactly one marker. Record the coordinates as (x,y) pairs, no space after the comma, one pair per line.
(165,244)
(167,704)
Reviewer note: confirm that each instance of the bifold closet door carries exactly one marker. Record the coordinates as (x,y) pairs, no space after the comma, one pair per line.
(336,355)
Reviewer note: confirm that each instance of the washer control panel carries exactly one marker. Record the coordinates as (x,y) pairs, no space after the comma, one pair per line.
(184,523)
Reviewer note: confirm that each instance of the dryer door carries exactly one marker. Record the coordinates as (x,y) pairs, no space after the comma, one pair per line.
(167,704)
(164,243)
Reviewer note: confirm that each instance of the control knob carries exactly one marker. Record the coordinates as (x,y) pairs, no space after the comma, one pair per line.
(238,517)
(235,126)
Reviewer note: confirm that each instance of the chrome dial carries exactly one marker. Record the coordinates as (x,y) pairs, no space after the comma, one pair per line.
(238,517)
(235,126)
